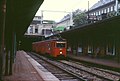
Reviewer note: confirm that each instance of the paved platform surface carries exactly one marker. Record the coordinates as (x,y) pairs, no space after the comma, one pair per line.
(27,69)
(105,62)
(23,70)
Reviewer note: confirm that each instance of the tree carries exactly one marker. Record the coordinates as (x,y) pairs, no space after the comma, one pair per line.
(80,19)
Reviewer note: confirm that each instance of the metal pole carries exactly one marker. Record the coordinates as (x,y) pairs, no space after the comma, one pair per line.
(71,20)
(3,12)
(88,5)
(1,22)
(88,12)
(41,16)
(14,46)
(11,52)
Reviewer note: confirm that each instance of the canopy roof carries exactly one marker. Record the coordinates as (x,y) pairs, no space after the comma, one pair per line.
(59,28)
(19,15)
(102,32)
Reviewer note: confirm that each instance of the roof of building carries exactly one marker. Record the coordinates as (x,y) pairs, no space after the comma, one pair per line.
(59,28)
(100,3)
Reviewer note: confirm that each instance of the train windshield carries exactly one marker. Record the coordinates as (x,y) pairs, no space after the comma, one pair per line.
(60,44)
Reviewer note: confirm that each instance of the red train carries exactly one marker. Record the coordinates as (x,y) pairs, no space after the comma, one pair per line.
(53,47)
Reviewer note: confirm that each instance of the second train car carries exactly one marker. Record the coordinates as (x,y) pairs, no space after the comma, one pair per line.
(52,47)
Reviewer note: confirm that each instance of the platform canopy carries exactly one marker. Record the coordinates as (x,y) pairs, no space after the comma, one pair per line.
(19,15)
(59,28)
(102,32)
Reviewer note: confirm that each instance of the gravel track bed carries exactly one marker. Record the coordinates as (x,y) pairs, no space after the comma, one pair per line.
(60,74)
(114,76)
(86,73)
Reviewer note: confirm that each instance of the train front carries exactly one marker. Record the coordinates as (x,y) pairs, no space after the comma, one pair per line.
(60,48)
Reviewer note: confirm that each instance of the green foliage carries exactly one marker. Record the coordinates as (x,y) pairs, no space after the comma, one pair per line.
(80,19)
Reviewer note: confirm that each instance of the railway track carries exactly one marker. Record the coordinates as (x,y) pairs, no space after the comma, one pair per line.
(80,72)
(62,75)
(107,74)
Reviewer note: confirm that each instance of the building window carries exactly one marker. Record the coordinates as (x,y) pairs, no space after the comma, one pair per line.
(43,31)
(114,7)
(105,11)
(102,11)
(99,13)
(36,30)
(31,29)
(108,10)
(111,8)
(96,13)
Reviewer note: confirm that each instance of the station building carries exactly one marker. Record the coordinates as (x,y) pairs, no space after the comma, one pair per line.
(64,24)
(103,9)
(40,28)
(98,40)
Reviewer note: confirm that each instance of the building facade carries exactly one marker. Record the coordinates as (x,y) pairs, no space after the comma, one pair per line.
(65,23)
(103,9)
(39,27)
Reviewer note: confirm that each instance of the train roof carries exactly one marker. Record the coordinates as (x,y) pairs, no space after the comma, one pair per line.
(55,39)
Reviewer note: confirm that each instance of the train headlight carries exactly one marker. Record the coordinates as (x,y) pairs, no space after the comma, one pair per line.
(60,52)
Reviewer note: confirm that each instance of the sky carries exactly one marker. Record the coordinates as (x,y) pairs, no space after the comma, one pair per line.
(55,9)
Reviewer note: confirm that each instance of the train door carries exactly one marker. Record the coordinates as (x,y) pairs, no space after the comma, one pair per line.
(52,48)
(48,48)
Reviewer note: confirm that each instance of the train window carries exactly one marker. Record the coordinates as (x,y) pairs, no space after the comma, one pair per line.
(60,45)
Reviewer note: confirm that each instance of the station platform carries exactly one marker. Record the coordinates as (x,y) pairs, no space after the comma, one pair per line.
(27,69)
(104,62)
